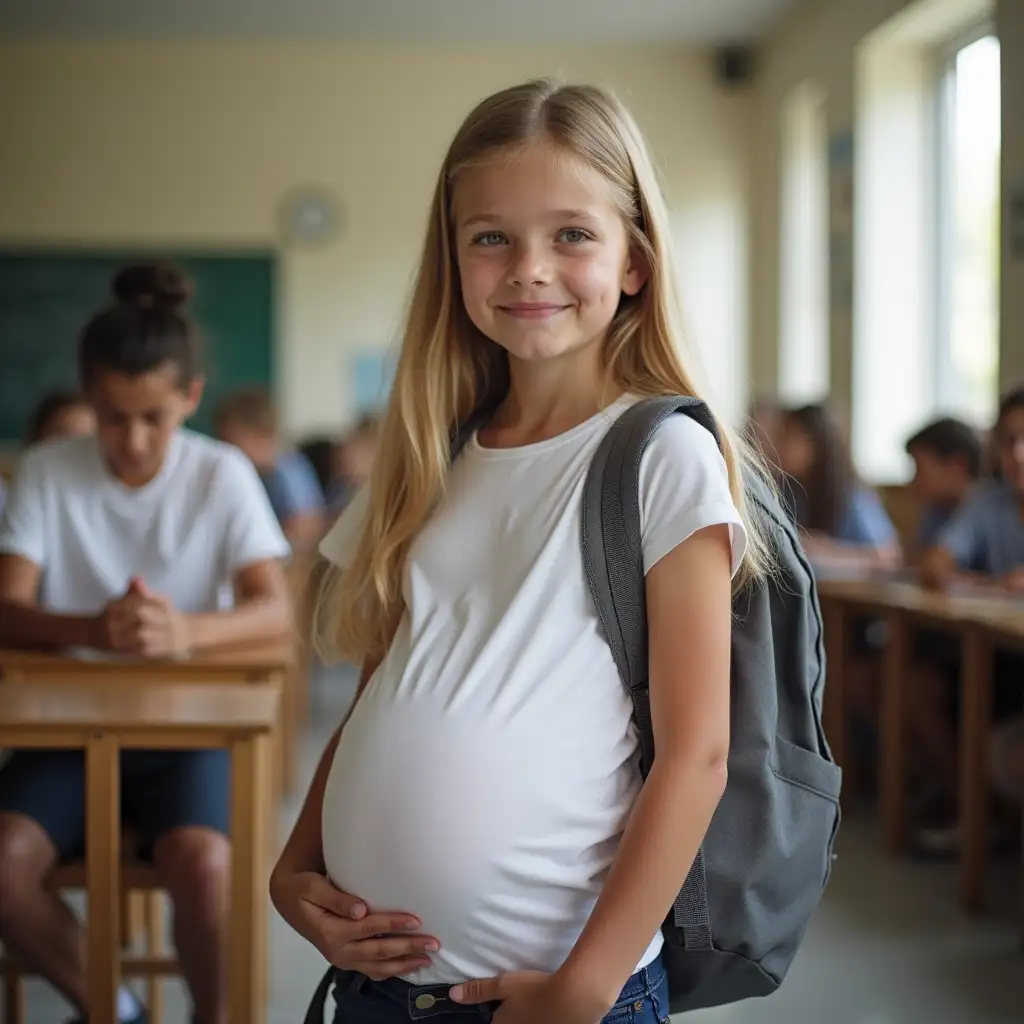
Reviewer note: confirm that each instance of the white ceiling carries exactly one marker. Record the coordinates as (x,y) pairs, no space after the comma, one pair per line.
(702,22)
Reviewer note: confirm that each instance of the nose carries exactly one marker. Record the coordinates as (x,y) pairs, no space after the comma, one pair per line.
(531,265)
(136,442)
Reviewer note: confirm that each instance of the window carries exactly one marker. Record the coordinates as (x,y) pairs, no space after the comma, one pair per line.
(967,365)
(803,255)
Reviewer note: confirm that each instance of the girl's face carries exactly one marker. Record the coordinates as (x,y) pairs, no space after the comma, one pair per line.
(1010,439)
(136,417)
(543,253)
(795,449)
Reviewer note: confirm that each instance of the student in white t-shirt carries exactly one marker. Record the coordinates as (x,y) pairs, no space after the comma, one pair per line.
(476,831)
(124,541)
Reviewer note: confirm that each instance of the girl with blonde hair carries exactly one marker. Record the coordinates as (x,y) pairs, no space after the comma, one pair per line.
(476,840)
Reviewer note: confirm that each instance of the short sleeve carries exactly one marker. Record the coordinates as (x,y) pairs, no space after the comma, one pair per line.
(339,546)
(293,487)
(23,526)
(684,487)
(865,521)
(253,533)
(963,537)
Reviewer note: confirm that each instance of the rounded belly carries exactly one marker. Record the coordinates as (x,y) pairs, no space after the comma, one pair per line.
(499,847)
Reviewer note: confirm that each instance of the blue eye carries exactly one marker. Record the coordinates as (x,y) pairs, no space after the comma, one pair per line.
(489,238)
(574,236)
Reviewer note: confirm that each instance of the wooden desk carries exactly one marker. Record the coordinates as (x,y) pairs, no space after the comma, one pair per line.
(982,621)
(267,662)
(103,719)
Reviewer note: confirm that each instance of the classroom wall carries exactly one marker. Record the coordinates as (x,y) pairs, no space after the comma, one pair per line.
(194,145)
(819,40)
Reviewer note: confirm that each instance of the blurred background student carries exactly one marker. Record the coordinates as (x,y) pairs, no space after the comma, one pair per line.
(61,414)
(247,420)
(123,541)
(843,520)
(983,544)
(947,456)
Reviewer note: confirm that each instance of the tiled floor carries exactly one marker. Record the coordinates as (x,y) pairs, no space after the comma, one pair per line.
(887,947)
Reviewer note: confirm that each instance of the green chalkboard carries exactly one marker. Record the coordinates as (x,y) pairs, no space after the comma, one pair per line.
(46,297)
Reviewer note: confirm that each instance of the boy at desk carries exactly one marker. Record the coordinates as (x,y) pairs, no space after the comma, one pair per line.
(122,541)
(983,545)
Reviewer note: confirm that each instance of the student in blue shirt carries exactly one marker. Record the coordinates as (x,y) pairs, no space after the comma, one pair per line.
(947,462)
(843,521)
(983,544)
(246,419)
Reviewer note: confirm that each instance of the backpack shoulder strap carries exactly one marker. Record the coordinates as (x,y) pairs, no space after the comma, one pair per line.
(613,562)
(612,555)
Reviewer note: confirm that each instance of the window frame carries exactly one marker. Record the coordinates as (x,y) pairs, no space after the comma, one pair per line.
(947,394)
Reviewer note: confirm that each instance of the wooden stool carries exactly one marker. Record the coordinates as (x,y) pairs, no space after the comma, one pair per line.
(142,910)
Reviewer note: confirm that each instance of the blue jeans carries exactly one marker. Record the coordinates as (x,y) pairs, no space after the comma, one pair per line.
(644,1000)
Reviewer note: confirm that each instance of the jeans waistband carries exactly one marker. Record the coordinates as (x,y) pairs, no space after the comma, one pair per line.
(425,1001)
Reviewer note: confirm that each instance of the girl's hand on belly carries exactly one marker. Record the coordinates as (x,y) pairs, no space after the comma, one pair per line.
(347,936)
(533,997)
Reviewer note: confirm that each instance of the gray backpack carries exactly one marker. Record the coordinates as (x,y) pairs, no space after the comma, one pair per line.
(743,909)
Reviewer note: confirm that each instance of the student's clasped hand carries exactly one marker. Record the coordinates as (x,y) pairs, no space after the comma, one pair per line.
(533,997)
(145,623)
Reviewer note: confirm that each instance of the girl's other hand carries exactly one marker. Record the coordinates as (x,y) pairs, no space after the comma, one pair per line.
(532,997)
(347,935)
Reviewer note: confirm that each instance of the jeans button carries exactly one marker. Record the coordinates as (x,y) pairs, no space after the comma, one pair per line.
(425,1001)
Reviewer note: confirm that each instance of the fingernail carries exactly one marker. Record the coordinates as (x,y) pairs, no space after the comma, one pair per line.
(358,911)
(456,993)
(412,926)
(431,947)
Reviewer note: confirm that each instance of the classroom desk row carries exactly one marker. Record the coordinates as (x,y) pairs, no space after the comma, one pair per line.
(983,622)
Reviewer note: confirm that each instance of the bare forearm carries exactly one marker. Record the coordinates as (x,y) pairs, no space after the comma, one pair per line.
(258,618)
(25,625)
(658,848)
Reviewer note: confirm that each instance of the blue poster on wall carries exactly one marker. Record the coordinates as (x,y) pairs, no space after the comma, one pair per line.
(371,375)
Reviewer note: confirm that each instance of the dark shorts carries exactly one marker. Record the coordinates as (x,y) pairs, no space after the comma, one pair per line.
(644,1000)
(161,790)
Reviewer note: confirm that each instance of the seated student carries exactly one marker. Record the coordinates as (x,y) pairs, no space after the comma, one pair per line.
(246,419)
(843,521)
(947,462)
(122,541)
(61,414)
(983,544)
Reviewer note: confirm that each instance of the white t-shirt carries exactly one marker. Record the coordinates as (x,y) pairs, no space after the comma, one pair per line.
(187,532)
(486,774)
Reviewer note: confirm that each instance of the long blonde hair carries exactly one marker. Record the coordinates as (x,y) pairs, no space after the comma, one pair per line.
(448,369)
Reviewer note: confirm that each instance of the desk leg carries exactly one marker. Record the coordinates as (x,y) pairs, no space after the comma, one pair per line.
(103,865)
(250,791)
(834,615)
(976,690)
(892,773)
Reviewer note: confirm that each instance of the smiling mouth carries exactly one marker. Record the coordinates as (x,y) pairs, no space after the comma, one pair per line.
(532,310)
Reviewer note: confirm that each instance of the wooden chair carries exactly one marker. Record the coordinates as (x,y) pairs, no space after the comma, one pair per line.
(143,914)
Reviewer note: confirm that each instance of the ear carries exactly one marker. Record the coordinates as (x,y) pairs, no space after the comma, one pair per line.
(636,272)
(194,394)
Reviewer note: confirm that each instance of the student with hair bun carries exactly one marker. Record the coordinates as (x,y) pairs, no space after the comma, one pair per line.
(124,541)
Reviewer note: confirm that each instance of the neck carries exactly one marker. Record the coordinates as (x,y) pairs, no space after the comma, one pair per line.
(548,397)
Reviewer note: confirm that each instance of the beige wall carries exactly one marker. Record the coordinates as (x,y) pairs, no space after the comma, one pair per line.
(194,145)
(820,41)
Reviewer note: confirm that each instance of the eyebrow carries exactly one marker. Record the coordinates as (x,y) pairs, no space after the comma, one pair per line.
(561,215)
